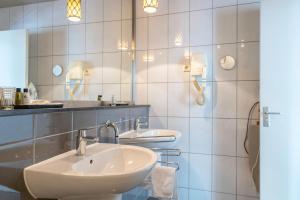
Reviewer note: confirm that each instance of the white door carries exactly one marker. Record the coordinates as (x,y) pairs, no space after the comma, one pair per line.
(280,92)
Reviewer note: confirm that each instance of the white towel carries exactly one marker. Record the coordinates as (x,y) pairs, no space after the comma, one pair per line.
(163,182)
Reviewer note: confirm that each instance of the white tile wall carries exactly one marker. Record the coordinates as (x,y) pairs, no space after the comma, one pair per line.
(210,167)
(54,40)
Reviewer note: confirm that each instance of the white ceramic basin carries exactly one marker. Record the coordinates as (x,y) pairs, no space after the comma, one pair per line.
(151,138)
(106,171)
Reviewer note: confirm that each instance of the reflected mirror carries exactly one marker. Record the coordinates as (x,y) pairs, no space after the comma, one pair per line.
(101,40)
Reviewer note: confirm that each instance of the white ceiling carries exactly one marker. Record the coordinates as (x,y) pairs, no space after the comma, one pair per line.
(10,3)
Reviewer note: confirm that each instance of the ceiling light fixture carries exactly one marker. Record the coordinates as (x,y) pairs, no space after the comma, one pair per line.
(74,10)
(150,6)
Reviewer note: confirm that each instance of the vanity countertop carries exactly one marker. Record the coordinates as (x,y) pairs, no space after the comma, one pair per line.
(67,107)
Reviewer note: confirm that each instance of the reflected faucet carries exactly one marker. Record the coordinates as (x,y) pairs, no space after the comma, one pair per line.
(139,123)
(110,124)
(82,140)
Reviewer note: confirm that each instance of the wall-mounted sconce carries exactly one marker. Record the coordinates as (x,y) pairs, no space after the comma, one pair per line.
(123,45)
(74,10)
(150,6)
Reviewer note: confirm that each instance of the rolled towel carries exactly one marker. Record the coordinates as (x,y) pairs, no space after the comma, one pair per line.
(163,182)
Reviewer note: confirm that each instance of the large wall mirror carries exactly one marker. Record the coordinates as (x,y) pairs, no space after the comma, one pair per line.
(73,60)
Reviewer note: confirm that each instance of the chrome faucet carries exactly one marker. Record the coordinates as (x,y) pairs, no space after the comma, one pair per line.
(110,124)
(82,140)
(139,123)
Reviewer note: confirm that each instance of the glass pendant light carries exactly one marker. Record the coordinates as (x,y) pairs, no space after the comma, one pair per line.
(150,6)
(74,10)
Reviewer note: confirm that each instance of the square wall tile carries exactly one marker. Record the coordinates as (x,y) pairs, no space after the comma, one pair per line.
(142,59)
(248,1)
(224,174)
(15,158)
(45,41)
(225,26)
(222,196)
(179,29)
(112,67)
(32,70)
(158,122)
(224,137)
(223,3)
(178,6)
(158,32)
(201,27)
(16,17)
(201,135)
(199,194)
(60,40)
(32,42)
(249,22)
(127,9)
(113,35)
(126,67)
(59,13)
(248,61)
(77,39)
(30,16)
(110,90)
(200,171)
(126,41)
(125,92)
(247,198)
(181,125)
(9,132)
(52,123)
(142,34)
(200,4)
(224,99)
(84,119)
(183,193)
(59,92)
(205,110)
(94,37)
(157,68)
(177,59)
(248,94)
(48,147)
(4,19)
(182,174)
(45,70)
(94,68)
(245,183)
(178,99)
(94,10)
(157,98)
(45,14)
(141,95)
(45,92)
(112,10)
(220,51)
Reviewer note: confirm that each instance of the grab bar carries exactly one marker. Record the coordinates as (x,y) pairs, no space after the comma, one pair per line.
(176,152)
(170,163)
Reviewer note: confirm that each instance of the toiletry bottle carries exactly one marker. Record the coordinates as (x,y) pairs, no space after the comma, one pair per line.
(99,99)
(26,96)
(19,97)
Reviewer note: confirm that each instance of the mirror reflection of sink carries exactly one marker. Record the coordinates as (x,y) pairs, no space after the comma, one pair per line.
(151,138)
(106,171)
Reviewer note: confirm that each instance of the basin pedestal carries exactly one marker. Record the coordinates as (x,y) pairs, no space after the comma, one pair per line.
(102,197)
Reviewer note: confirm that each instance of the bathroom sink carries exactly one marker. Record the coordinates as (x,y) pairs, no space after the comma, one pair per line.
(106,171)
(151,138)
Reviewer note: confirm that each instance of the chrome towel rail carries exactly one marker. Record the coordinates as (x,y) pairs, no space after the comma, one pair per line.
(167,151)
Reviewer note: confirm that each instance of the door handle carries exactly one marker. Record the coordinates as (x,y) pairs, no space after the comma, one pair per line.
(266,116)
